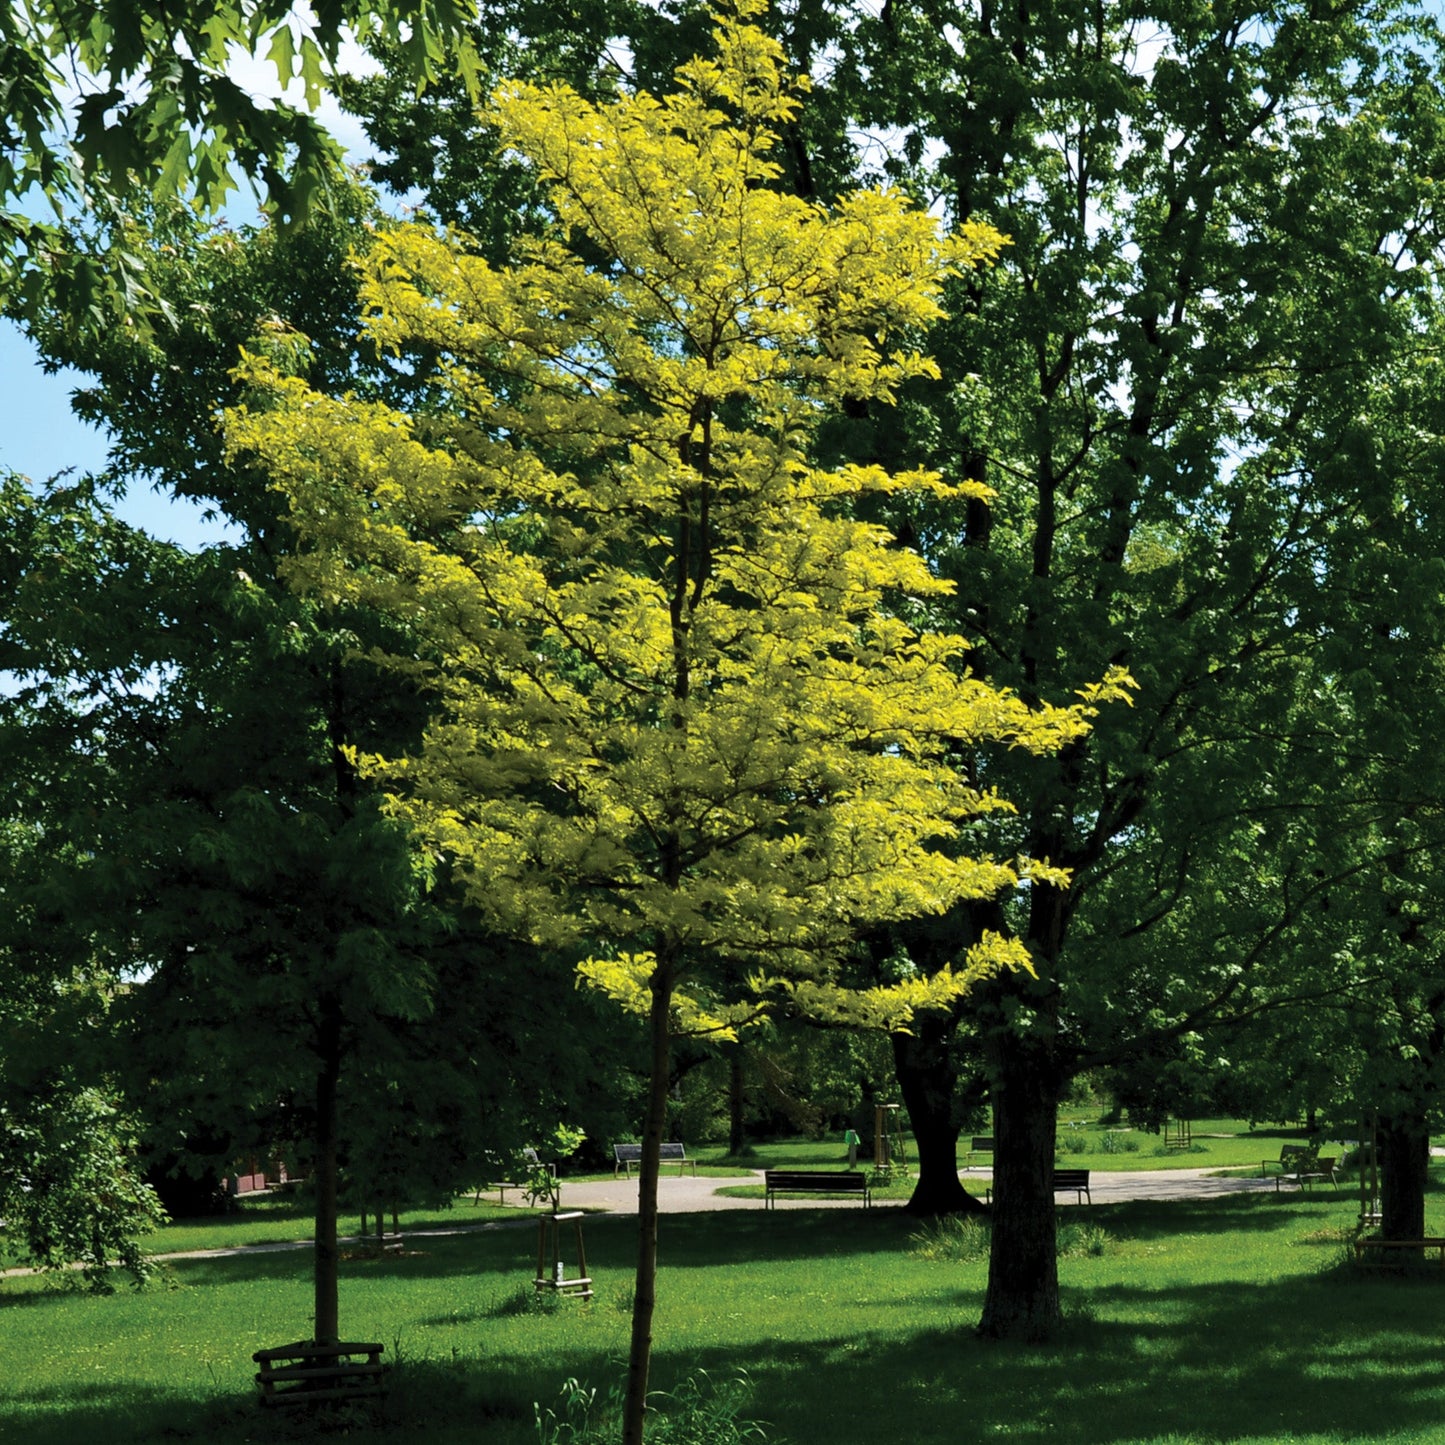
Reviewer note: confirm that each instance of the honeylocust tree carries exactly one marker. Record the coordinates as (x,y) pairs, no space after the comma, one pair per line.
(678,714)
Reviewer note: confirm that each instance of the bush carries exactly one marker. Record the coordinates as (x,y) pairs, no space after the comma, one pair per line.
(1116,1141)
(69,1188)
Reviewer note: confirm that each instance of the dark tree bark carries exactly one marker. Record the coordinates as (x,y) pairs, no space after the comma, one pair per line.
(644,1303)
(328,1073)
(1022,1300)
(1404,1143)
(737,1099)
(928,1078)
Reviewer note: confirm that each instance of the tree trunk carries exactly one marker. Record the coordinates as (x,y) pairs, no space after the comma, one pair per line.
(644,1298)
(1404,1143)
(928,1081)
(737,1100)
(326,1263)
(1022,1300)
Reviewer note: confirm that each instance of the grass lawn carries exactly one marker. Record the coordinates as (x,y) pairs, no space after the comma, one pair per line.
(276,1218)
(1229,1319)
(1228,1145)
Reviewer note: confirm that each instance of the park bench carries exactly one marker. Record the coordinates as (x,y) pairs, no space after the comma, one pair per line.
(1289,1159)
(1309,1170)
(815,1181)
(529,1158)
(1382,1247)
(1075,1179)
(982,1144)
(624,1156)
(307,1373)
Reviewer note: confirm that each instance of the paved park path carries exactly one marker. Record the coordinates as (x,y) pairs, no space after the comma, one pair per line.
(687,1194)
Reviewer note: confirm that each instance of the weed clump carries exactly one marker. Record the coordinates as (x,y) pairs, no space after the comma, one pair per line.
(953,1239)
(697,1412)
(1084,1241)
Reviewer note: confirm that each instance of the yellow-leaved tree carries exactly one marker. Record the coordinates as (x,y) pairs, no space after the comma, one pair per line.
(676,716)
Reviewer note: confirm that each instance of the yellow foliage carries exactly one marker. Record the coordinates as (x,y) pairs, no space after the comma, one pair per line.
(628,981)
(892,1006)
(676,707)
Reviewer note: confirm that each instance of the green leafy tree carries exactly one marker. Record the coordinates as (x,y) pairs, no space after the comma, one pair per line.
(1161,380)
(222,853)
(110,103)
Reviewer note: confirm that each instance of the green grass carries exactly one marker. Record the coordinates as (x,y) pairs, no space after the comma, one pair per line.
(275,1219)
(1217,1144)
(1225,1144)
(1230,1319)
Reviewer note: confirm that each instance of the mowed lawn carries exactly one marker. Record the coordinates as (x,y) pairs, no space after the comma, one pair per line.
(1229,1319)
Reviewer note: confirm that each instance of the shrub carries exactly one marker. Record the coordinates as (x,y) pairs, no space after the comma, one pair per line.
(69,1188)
(1116,1141)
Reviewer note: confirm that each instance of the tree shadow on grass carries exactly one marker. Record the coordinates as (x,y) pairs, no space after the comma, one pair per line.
(1214,1362)
(1329,1354)
(122,1413)
(687,1241)
(1146,1219)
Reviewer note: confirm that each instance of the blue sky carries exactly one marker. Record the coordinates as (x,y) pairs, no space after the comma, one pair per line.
(40,436)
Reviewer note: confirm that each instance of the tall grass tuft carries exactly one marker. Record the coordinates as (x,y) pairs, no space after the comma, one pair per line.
(953,1239)
(697,1412)
(1084,1241)
(577,1415)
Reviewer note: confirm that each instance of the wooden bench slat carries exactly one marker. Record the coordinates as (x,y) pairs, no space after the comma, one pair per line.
(322,1372)
(309,1397)
(1312,1170)
(317,1352)
(815,1181)
(1430,1243)
(672,1152)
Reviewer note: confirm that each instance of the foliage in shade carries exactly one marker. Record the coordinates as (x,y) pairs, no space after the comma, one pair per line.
(70,1193)
(174,771)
